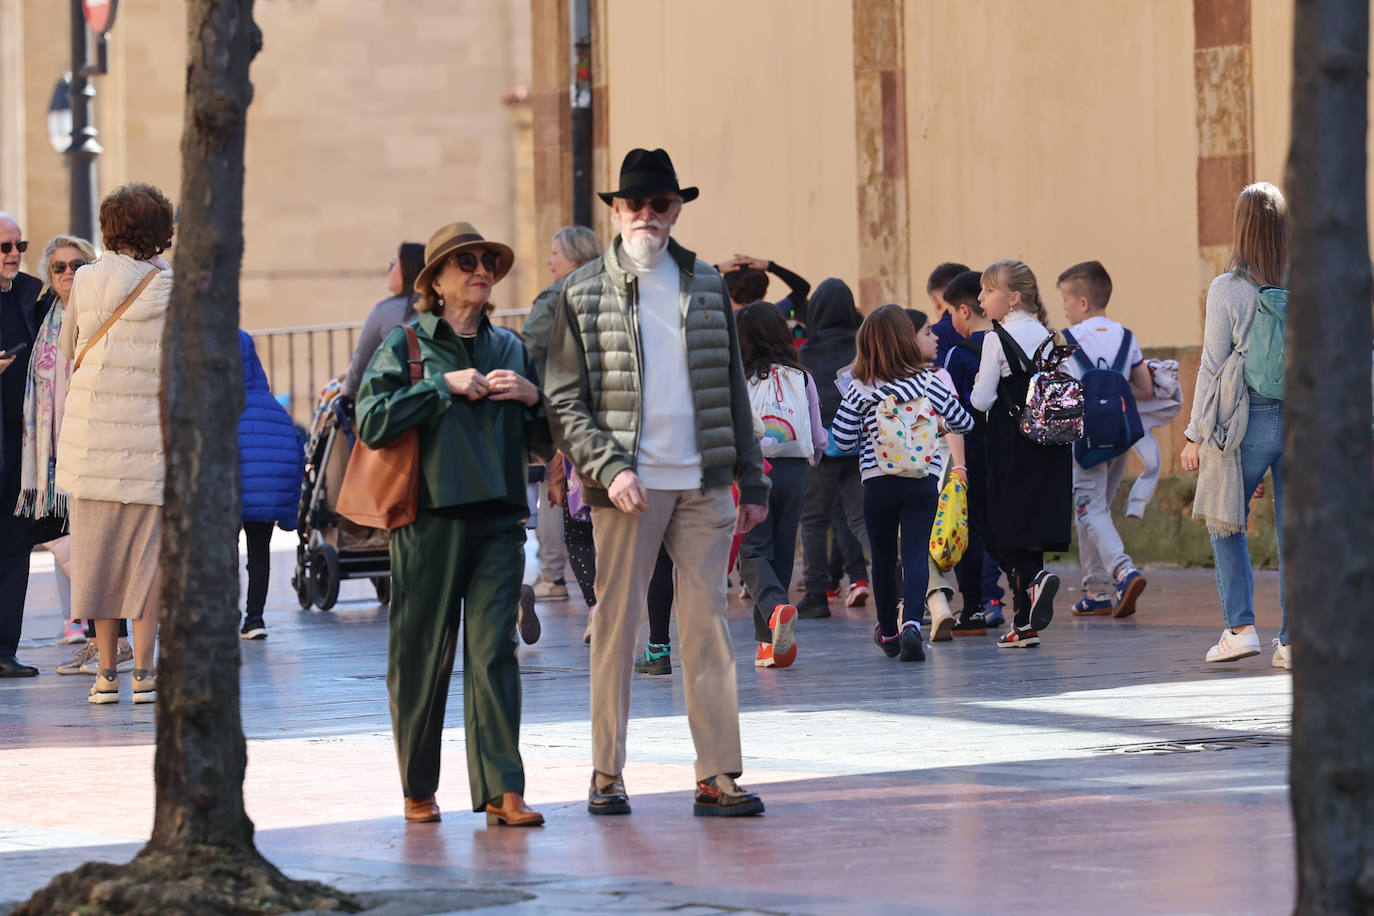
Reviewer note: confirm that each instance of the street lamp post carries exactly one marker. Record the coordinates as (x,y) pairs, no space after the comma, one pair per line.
(84,150)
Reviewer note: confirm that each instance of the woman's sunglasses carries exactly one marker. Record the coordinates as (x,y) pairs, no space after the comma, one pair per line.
(467,261)
(660,203)
(6,247)
(60,267)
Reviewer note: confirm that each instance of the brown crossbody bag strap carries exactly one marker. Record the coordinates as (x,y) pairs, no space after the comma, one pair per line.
(124,307)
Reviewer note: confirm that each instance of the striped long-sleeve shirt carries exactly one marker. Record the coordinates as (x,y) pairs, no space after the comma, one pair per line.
(854,421)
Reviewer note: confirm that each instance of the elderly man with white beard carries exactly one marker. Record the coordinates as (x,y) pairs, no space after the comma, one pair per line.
(646,394)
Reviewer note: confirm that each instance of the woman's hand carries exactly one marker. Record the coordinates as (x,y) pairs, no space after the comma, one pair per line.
(469,383)
(507,385)
(5,363)
(1188,459)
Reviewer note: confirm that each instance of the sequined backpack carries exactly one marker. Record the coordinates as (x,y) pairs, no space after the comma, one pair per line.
(1053,413)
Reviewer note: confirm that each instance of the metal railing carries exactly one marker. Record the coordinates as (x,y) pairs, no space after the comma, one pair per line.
(300,361)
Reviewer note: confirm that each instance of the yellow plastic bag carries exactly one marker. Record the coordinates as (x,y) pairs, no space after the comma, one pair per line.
(949,536)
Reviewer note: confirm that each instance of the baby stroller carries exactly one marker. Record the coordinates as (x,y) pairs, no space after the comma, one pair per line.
(332,548)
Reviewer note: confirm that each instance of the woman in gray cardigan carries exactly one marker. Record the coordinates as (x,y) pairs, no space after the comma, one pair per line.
(1236,435)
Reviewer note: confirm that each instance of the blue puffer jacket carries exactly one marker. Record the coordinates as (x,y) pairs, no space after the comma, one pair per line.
(270,453)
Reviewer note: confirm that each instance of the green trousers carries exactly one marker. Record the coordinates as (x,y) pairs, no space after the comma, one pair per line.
(443,569)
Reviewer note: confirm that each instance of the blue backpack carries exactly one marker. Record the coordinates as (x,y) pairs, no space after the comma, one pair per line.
(1111,423)
(1266,355)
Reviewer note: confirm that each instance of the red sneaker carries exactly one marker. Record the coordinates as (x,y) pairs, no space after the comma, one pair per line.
(858,594)
(783,624)
(764,657)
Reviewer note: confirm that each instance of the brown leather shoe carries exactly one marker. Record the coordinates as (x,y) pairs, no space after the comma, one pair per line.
(512,811)
(420,812)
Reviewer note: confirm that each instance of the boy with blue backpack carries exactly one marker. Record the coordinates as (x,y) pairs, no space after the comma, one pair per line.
(1112,369)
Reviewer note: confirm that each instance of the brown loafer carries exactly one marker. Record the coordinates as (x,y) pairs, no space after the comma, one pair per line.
(420,812)
(512,811)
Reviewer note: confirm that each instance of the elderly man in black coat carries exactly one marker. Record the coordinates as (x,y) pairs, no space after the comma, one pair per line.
(20,315)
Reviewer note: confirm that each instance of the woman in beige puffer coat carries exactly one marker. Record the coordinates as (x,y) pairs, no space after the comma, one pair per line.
(110,457)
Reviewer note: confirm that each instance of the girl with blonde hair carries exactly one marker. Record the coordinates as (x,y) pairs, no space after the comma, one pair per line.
(1235,435)
(1029,485)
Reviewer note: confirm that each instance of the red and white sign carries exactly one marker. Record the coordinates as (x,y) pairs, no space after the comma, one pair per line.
(100,14)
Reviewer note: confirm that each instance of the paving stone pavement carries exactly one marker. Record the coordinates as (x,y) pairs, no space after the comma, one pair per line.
(1108,770)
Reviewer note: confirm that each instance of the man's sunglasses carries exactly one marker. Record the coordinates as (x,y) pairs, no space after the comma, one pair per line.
(467,261)
(661,204)
(60,267)
(7,247)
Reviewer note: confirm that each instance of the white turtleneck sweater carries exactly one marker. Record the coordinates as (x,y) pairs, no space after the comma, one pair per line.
(668,455)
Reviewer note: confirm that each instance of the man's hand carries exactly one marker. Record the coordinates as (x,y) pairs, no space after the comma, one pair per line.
(5,363)
(747,516)
(1188,459)
(628,494)
(469,383)
(508,385)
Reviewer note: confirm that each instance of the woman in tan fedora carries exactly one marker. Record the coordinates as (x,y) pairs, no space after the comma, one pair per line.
(479,416)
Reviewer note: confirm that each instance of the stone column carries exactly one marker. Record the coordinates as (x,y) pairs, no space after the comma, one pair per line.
(12,133)
(880,132)
(1223,75)
(552,138)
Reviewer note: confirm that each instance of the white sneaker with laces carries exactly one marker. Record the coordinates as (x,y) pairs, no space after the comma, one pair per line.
(1283,656)
(1234,646)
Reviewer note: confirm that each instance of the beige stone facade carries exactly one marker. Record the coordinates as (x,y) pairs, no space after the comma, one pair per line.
(371,124)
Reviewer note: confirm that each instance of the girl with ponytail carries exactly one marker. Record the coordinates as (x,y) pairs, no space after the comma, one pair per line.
(1029,485)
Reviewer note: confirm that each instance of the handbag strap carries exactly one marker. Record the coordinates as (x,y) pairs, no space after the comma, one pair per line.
(417,370)
(114,316)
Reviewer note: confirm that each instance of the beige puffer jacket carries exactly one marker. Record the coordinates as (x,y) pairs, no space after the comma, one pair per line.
(110,447)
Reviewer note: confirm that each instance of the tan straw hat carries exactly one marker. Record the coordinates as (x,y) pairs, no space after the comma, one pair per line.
(456,237)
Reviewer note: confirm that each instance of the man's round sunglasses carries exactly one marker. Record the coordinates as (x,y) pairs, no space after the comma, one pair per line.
(7,247)
(660,203)
(60,267)
(467,261)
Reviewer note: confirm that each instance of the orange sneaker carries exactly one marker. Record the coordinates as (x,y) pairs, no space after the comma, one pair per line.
(783,624)
(764,658)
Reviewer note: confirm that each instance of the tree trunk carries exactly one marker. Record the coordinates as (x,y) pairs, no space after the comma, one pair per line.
(1329,529)
(201,858)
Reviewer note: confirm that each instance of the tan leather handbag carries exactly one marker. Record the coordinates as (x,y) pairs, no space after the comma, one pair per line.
(381,488)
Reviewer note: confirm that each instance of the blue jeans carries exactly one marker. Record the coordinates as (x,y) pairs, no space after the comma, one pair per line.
(1260,450)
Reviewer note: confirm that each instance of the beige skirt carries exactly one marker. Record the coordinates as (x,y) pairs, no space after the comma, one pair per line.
(114,557)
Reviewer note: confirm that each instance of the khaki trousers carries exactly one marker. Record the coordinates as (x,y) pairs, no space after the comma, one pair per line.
(696,528)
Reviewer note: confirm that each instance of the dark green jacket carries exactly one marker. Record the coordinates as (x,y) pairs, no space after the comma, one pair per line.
(539,326)
(470,451)
(595,376)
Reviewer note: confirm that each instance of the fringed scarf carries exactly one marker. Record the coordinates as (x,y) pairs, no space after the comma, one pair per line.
(44,397)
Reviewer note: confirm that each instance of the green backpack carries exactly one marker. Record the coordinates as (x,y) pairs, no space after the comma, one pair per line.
(1265,358)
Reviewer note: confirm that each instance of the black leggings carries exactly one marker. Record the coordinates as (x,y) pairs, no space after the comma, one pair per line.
(661,598)
(581,548)
(123,629)
(259,535)
(1021,567)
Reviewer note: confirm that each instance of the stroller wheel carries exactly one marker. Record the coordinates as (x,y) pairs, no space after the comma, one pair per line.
(324,576)
(383,586)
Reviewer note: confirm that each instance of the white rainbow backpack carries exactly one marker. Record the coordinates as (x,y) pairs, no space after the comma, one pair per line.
(779,402)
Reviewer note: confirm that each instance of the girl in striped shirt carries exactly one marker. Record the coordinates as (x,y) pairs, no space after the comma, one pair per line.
(899,510)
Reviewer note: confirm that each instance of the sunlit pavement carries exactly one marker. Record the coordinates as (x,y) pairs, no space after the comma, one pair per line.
(1108,770)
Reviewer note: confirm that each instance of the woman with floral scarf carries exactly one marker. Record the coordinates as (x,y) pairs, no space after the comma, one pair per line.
(44,397)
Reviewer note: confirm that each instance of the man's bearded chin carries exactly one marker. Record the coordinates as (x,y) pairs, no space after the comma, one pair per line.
(644,247)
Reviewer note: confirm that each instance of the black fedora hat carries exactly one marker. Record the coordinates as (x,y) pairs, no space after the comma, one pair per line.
(645,173)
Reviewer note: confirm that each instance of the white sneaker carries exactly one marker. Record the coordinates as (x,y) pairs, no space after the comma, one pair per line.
(1283,656)
(1234,646)
(84,656)
(105,689)
(549,590)
(124,662)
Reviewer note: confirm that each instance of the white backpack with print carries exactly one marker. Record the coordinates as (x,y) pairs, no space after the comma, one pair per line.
(779,403)
(906,436)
